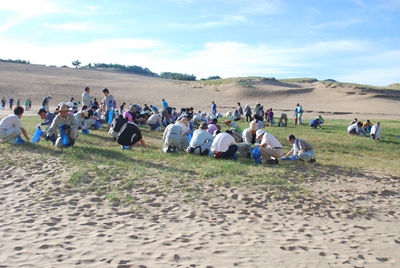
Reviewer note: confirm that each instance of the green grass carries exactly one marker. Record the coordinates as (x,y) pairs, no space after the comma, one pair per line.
(96,165)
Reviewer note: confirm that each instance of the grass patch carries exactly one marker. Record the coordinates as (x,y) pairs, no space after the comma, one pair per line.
(96,165)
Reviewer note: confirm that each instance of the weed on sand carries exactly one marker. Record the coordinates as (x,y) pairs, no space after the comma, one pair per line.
(98,166)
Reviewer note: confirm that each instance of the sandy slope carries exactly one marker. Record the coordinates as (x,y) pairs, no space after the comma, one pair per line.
(23,81)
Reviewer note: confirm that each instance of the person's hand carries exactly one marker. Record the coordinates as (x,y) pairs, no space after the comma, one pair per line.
(38,126)
(65,127)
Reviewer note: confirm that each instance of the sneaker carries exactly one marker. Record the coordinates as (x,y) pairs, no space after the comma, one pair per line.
(312,160)
(271,162)
(276,161)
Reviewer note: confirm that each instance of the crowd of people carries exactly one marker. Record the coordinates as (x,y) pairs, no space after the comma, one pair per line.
(184,130)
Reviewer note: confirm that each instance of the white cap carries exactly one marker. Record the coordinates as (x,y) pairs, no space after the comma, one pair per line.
(259,133)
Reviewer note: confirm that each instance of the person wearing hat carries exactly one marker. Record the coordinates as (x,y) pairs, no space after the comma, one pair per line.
(237,132)
(11,126)
(69,124)
(249,139)
(201,141)
(86,98)
(301,148)
(270,148)
(224,146)
(107,103)
(46,102)
(48,119)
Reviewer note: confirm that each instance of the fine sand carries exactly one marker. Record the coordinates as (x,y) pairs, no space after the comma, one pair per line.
(348,220)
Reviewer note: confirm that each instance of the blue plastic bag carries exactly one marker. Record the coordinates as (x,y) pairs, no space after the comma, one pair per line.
(256,155)
(110,116)
(86,131)
(189,137)
(37,135)
(64,136)
(19,140)
(292,158)
(97,125)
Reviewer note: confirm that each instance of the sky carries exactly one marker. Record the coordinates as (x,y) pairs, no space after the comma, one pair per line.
(355,41)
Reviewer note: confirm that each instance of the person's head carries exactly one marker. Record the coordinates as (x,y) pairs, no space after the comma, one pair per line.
(291,138)
(204,126)
(260,134)
(87,89)
(298,104)
(378,123)
(212,102)
(128,116)
(227,122)
(228,131)
(106,92)
(84,113)
(256,117)
(359,124)
(368,121)
(253,127)
(72,99)
(63,110)
(355,120)
(214,121)
(238,103)
(18,111)
(42,113)
(84,107)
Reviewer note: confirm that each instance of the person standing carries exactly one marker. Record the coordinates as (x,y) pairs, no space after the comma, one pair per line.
(257,109)
(299,110)
(11,126)
(247,111)
(3,103)
(164,104)
(46,102)
(214,108)
(11,101)
(239,109)
(86,98)
(107,104)
(270,148)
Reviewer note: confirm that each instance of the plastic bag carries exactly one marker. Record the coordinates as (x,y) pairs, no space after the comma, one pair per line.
(19,140)
(64,136)
(110,116)
(85,131)
(256,155)
(37,135)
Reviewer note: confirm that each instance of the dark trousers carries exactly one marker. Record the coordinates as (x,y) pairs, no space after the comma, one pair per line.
(230,152)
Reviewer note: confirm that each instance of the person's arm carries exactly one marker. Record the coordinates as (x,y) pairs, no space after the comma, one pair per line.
(25,134)
(143,143)
(290,153)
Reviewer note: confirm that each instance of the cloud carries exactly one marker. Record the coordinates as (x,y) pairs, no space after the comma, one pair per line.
(29,8)
(68,26)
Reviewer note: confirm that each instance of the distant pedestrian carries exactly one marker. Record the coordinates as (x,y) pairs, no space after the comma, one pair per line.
(11,101)
(86,98)
(3,103)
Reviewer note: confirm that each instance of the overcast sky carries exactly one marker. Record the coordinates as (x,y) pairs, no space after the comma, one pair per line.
(347,40)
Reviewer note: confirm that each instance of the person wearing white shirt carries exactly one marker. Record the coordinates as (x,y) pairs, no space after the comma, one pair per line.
(270,148)
(376,131)
(86,98)
(11,126)
(224,146)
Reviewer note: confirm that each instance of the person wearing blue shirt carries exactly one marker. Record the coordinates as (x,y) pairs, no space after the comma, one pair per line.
(213,108)
(315,123)
(164,103)
(154,108)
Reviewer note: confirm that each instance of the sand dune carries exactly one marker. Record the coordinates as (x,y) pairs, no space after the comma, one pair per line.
(23,81)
